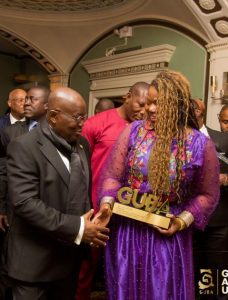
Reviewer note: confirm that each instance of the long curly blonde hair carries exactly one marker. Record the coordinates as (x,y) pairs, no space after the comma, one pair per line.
(172,119)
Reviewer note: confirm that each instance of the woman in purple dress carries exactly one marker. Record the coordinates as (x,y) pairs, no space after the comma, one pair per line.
(164,155)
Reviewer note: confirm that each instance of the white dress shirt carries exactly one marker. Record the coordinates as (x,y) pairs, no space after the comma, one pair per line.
(14,120)
(203,129)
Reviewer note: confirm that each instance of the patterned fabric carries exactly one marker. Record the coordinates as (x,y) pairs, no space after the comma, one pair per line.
(140,262)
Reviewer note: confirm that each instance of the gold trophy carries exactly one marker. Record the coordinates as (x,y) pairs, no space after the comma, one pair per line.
(147,208)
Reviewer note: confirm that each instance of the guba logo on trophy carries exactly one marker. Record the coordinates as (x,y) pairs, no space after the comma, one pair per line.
(213,282)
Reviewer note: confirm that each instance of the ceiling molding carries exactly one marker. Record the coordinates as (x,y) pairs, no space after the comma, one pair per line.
(114,9)
(31,51)
(60,6)
(212,15)
(220,25)
(208,6)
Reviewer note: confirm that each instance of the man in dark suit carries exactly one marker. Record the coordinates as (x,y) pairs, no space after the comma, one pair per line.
(49,187)
(211,246)
(16,105)
(34,108)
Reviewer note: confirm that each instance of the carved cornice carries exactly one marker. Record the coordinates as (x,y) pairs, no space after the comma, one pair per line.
(137,69)
(133,62)
(213,47)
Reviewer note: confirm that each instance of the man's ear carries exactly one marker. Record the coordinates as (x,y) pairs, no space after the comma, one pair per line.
(9,103)
(51,116)
(127,97)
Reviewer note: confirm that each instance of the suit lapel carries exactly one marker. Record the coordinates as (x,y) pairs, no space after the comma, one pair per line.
(81,152)
(50,152)
(7,120)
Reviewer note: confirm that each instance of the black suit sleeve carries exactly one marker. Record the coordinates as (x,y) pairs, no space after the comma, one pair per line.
(3,186)
(23,175)
(4,141)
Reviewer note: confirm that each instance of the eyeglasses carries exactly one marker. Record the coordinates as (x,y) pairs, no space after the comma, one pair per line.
(77,119)
(33,99)
(19,100)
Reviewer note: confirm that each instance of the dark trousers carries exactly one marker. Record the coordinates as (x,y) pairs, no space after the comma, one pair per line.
(5,284)
(63,289)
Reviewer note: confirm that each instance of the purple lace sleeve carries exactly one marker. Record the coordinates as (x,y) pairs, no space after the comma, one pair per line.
(208,189)
(113,170)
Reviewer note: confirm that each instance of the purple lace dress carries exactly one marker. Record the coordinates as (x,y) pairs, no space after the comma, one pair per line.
(142,264)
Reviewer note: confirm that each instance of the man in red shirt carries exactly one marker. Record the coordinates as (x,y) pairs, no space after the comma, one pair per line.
(102,130)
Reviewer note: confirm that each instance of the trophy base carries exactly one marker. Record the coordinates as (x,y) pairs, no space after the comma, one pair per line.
(141,215)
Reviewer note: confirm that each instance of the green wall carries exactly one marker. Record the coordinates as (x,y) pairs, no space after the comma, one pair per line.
(189,57)
(9,66)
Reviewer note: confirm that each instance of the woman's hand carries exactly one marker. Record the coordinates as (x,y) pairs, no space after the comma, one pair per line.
(175,226)
(103,216)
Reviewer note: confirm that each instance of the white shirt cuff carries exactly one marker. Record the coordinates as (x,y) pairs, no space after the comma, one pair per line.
(81,232)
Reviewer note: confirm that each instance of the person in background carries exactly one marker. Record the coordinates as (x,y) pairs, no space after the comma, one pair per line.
(102,130)
(166,157)
(199,108)
(51,224)
(34,108)
(15,103)
(103,105)
(218,137)
(223,118)
(211,245)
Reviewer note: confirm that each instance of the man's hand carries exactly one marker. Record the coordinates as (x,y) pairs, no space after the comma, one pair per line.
(4,224)
(103,216)
(223,179)
(94,234)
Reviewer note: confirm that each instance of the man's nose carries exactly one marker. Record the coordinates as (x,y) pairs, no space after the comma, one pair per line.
(152,108)
(142,111)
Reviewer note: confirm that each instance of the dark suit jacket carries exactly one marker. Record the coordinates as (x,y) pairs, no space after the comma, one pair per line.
(8,134)
(219,216)
(41,237)
(5,121)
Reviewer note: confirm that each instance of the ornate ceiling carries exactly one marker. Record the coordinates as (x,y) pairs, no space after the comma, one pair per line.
(60,5)
(213,14)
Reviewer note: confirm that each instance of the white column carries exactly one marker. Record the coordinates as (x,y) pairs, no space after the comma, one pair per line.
(57,80)
(218,65)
